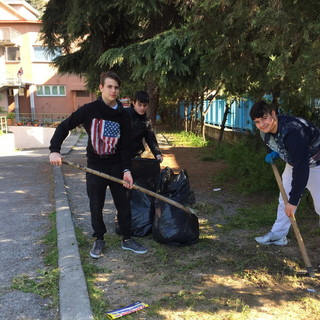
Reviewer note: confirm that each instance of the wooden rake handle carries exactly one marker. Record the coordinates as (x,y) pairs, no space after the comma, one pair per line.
(146,191)
(294,224)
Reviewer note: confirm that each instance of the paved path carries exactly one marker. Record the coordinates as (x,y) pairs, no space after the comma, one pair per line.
(30,189)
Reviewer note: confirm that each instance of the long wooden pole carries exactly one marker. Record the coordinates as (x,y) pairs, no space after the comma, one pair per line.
(146,191)
(294,224)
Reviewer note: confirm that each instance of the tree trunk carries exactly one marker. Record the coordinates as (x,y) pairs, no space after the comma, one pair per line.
(192,118)
(204,112)
(203,128)
(202,118)
(185,118)
(153,91)
(224,120)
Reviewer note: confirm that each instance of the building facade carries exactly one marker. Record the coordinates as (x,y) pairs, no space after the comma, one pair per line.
(29,84)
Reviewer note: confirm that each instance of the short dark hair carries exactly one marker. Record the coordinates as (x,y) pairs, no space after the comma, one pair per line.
(260,108)
(141,96)
(109,74)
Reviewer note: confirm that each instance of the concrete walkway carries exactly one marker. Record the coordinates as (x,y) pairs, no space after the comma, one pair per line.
(26,193)
(73,292)
(25,190)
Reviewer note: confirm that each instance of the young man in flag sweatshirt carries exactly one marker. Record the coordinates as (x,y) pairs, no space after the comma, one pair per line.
(108,151)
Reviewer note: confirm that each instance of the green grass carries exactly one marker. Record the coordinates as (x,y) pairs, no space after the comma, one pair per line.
(185,139)
(51,241)
(253,218)
(46,282)
(98,304)
(207,209)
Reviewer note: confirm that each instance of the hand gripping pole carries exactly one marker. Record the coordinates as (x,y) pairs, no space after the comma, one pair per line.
(294,224)
(136,187)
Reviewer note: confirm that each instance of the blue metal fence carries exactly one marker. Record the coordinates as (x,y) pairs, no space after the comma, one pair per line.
(238,118)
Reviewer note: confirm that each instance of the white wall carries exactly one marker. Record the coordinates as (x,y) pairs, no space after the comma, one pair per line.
(31,137)
(7,143)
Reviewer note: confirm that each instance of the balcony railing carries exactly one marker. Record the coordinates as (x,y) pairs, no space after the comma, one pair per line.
(10,37)
(3,124)
(10,79)
(37,119)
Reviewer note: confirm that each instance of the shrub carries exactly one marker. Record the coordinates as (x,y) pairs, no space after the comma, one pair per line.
(246,165)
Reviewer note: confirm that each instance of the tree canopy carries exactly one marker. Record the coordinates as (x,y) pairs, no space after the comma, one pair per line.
(38,5)
(184,48)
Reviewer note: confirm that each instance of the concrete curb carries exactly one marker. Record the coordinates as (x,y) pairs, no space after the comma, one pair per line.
(73,291)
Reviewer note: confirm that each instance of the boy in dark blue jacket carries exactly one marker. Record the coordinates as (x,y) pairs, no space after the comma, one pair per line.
(297,142)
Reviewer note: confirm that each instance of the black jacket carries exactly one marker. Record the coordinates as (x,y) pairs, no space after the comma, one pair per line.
(141,128)
(108,132)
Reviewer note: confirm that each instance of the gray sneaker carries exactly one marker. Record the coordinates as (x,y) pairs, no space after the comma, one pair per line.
(96,251)
(134,246)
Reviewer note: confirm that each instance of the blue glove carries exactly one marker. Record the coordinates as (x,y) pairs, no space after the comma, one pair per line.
(271,156)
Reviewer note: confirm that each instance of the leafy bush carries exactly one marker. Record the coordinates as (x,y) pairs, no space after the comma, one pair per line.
(245,159)
(246,165)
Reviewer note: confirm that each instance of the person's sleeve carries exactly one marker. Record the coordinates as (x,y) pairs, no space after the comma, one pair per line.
(297,147)
(151,140)
(125,143)
(63,129)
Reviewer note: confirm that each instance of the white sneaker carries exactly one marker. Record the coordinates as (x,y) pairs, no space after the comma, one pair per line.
(270,238)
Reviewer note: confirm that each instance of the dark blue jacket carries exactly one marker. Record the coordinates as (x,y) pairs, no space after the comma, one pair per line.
(298,143)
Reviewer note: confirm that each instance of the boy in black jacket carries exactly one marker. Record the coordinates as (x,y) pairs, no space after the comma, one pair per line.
(108,151)
(141,127)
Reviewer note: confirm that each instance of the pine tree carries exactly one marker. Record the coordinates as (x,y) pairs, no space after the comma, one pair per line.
(262,47)
(38,5)
(180,49)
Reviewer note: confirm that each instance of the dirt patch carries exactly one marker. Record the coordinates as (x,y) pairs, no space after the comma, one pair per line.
(200,172)
(224,276)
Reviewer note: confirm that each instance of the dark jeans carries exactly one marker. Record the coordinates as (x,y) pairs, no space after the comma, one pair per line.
(96,190)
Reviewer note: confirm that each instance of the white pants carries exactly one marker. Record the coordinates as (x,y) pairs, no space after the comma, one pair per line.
(282,225)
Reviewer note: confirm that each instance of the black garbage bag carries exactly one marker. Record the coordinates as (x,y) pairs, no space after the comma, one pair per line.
(146,174)
(142,210)
(172,225)
(176,186)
